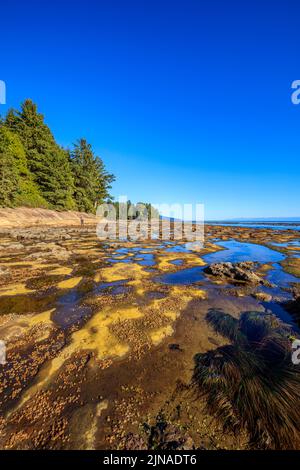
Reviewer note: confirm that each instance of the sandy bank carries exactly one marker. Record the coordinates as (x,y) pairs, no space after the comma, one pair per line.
(28,217)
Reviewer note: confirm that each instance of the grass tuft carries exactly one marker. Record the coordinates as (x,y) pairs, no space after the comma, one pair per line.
(252,383)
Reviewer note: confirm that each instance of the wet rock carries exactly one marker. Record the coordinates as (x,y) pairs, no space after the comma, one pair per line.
(166,436)
(174,347)
(235,271)
(169,437)
(134,442)
(263,296)
(175,439)
(293,306)
(296,291)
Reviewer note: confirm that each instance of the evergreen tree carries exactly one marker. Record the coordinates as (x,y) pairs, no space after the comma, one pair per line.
(143,210)
(36,171)
(47,161)
(16,184)
(92,181)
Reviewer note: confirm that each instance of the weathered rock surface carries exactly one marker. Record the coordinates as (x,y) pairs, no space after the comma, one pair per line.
(163,436)
(235,271)
(293,306)
(49,251)
(134,442)
(13,246)
(31,217)
(47,234)
(4,272)
(174,439)
(263,296)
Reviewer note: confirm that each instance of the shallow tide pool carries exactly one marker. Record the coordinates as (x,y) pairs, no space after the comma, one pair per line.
(184,277)
(235,252)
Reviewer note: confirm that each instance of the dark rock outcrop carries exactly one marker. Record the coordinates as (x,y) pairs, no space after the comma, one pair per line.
(163,436)
(293,306)
(243,271)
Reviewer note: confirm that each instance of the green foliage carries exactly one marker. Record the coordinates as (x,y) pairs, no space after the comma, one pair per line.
(36,171)
(92,182)
(16,184)
(47,162)
(143,210)
(9,176)
(252,383)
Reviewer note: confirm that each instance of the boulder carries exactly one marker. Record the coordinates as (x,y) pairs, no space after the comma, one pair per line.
(263,296)
(235,271)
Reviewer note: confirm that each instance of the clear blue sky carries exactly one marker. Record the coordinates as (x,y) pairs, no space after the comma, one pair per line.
(186,101)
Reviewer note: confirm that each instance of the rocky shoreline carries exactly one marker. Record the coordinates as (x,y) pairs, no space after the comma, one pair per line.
(100,352)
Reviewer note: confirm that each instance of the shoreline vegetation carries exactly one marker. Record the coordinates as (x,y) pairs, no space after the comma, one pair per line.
(36,172)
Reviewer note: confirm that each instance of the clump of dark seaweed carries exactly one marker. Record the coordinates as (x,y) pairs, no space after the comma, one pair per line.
(252,383)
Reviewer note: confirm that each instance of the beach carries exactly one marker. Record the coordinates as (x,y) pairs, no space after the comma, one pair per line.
(102,336)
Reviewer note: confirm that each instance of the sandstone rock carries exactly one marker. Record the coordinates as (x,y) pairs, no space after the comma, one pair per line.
(134,442)
(4,272)
(172,438)
(175,439)
(235,271)
(166,436)
(49,251)
(14,246)
(36,255)
(293,306)
(60,253)
(263,296)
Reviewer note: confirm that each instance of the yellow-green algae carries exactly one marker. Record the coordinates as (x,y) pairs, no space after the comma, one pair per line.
(15,289)
(160,334)
(69,283)
(292,266)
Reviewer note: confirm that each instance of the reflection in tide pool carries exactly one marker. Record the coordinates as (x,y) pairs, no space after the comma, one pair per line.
(177,262)
(145,259)
(185,277)
(235,252)
(290,243)
(279,277)
(177,249)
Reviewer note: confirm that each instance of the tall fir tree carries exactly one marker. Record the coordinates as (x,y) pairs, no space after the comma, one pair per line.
(47,161)
(92,181)
(16,183)
(36,171)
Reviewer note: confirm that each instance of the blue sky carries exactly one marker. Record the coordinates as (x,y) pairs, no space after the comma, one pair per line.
(186,101)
